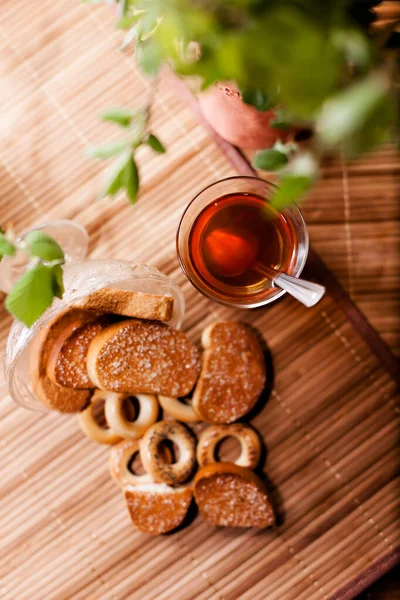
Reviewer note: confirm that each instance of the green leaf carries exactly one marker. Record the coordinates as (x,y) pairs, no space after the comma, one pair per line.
(58,283)
(43,246)
(155,144)
(150,58)
(107,150)
(127,21)
(281,120)
(113,180)
(344,114)
(32,294)
(133,34)
(355,46)
(131,180)
(258,99)
(124,23)
(124,6)
(119,115)
(290,50)
(377,128)
(129,12)
(7,248)
(291,188)
(270,160)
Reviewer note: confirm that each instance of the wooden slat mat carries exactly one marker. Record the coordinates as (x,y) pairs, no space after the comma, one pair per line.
(330,424)
(353,215)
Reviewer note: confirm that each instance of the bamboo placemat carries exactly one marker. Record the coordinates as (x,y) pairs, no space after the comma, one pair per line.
(330,424)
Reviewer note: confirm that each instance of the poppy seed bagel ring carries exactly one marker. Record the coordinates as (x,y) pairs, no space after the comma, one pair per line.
(153,460)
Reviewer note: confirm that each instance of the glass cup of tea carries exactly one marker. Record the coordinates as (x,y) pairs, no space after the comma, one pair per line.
(230,236)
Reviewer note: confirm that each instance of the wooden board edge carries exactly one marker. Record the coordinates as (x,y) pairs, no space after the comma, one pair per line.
(372,574)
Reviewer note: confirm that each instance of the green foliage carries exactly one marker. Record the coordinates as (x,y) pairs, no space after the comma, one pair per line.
(281,119)
(155,144)
(315,59)
(270,159)
(119,115)
(107,150)
(359,116)
(258,99)
(297,53)
(7,248)
(58,282)
(114,176)
(376,128)
(41,245)
(130,178)
(292,187)
(34,291)
(296,168)
(123,173)
(32,294)
(150,58)
(354,45)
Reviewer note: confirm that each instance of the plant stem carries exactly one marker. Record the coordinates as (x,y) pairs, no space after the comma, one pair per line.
(122,8)
(150,100)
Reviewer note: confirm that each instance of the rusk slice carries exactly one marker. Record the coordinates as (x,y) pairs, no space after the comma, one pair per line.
(147,357)
(51,395)
(130,304)
(67,360)
(232,373)
(231,496)
(156,507)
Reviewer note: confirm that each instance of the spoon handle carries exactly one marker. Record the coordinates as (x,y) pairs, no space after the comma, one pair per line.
(306,292)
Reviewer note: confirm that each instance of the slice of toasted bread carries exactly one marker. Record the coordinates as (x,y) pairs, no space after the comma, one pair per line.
(129,304)
(145,357)
(232,373)
(67,359)
(57,398)
(156,507)
(51,395)
(231,496)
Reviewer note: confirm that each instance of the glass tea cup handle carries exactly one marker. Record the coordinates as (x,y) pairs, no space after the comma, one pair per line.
(72,237)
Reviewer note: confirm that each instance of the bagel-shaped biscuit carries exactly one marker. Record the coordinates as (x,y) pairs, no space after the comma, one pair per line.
(131,430)
(120,457)
(247,437)
(153,461)
(178,410)
(91,427)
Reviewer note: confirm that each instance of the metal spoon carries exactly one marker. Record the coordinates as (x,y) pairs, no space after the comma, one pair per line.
(306,292)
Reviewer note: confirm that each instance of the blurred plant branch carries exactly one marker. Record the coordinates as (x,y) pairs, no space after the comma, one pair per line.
(330,64)
(123,172)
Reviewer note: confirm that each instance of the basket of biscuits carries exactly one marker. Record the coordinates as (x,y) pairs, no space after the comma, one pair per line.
(140,385)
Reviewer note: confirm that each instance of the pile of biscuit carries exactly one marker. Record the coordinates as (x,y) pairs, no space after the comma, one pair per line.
(116,346)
